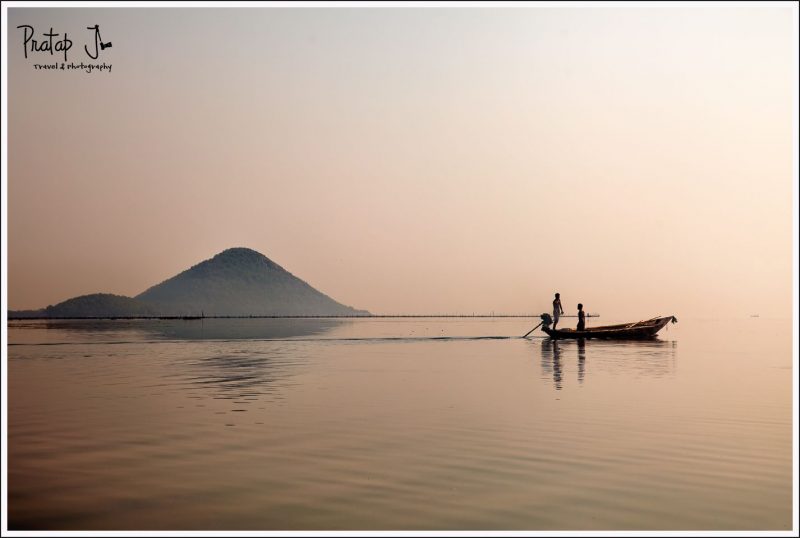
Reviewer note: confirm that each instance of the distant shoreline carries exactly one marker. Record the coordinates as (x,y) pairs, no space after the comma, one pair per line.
(194,318)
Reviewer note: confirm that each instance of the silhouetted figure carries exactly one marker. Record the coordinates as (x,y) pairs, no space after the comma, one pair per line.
(581,318)
(557,310)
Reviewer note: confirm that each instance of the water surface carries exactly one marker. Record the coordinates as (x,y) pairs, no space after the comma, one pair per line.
(397,424)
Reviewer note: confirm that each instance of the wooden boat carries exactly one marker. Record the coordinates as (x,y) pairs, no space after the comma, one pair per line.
(624,331)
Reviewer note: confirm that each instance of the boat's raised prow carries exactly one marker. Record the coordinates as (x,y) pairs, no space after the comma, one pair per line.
(624,331)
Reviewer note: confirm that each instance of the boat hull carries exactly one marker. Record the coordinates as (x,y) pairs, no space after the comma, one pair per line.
(640,330)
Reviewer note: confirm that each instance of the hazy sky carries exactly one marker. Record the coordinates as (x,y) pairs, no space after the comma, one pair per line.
(638,160)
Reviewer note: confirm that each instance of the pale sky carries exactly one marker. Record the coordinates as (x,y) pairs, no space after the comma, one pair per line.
(635,159)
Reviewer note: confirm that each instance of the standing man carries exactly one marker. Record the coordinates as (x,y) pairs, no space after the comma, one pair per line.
(581,318)
(557,310)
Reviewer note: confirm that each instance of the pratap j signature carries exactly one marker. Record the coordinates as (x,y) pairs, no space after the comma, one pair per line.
(53,43)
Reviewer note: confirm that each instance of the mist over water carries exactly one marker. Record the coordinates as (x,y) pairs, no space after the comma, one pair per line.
(397,424)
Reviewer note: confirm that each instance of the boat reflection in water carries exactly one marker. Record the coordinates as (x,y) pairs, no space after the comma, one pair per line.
(641,358)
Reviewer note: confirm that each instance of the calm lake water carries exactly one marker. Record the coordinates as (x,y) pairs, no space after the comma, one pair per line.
(397,424)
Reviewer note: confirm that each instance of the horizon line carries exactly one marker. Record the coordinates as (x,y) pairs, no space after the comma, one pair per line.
(311,316)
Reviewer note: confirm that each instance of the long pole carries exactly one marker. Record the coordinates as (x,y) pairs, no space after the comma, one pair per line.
(529,332)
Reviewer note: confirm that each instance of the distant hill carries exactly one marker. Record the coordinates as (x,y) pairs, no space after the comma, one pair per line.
(241,281)
(235,282)
(94,305)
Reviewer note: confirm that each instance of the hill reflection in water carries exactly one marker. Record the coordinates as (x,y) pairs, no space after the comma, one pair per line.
(109,330)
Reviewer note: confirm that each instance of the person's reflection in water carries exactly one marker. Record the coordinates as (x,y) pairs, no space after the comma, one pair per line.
(581,359)
(556,365)
(551,361)
(547,358)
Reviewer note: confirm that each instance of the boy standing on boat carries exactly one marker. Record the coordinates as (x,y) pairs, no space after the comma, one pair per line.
(581,318)
(557,310)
